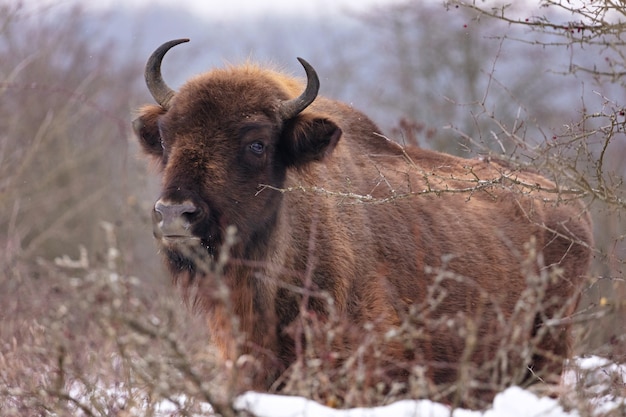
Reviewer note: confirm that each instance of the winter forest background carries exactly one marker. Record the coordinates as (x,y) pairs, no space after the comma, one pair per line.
(85,302)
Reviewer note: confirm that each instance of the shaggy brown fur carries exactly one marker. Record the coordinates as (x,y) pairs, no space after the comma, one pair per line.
(392,234)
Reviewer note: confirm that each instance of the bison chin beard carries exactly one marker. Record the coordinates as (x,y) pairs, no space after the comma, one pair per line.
(189,256)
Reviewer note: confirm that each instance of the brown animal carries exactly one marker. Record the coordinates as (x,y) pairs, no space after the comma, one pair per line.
(336,223)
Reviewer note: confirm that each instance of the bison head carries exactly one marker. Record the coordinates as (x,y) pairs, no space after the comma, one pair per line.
(218,140)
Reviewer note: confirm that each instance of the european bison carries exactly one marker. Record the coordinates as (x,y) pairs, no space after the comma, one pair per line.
(281,207)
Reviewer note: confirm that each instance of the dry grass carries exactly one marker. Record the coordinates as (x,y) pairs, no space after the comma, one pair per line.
(93,342)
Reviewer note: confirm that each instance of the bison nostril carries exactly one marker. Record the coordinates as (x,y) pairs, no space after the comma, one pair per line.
(168,210)
(173,218)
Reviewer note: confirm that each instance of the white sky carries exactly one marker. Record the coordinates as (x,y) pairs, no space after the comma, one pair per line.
(235,8)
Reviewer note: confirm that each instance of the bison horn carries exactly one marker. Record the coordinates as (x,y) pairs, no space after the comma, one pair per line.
(157,87)
(291,108)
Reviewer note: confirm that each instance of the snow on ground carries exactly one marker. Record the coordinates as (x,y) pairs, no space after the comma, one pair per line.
(514,402)
(600,379)
(594,374)
(601,383)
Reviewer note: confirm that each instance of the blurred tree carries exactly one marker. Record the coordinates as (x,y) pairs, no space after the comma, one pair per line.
(63,131)
(445,70)
(67,179)
(586,149)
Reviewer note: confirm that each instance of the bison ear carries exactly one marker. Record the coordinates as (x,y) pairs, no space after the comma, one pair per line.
(308,138)
(147,130)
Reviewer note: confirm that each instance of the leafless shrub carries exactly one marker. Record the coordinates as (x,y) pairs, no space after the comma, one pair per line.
(97,348)
(68,342)
(586,151)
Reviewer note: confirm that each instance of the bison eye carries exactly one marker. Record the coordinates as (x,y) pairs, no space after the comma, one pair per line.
(257,147)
